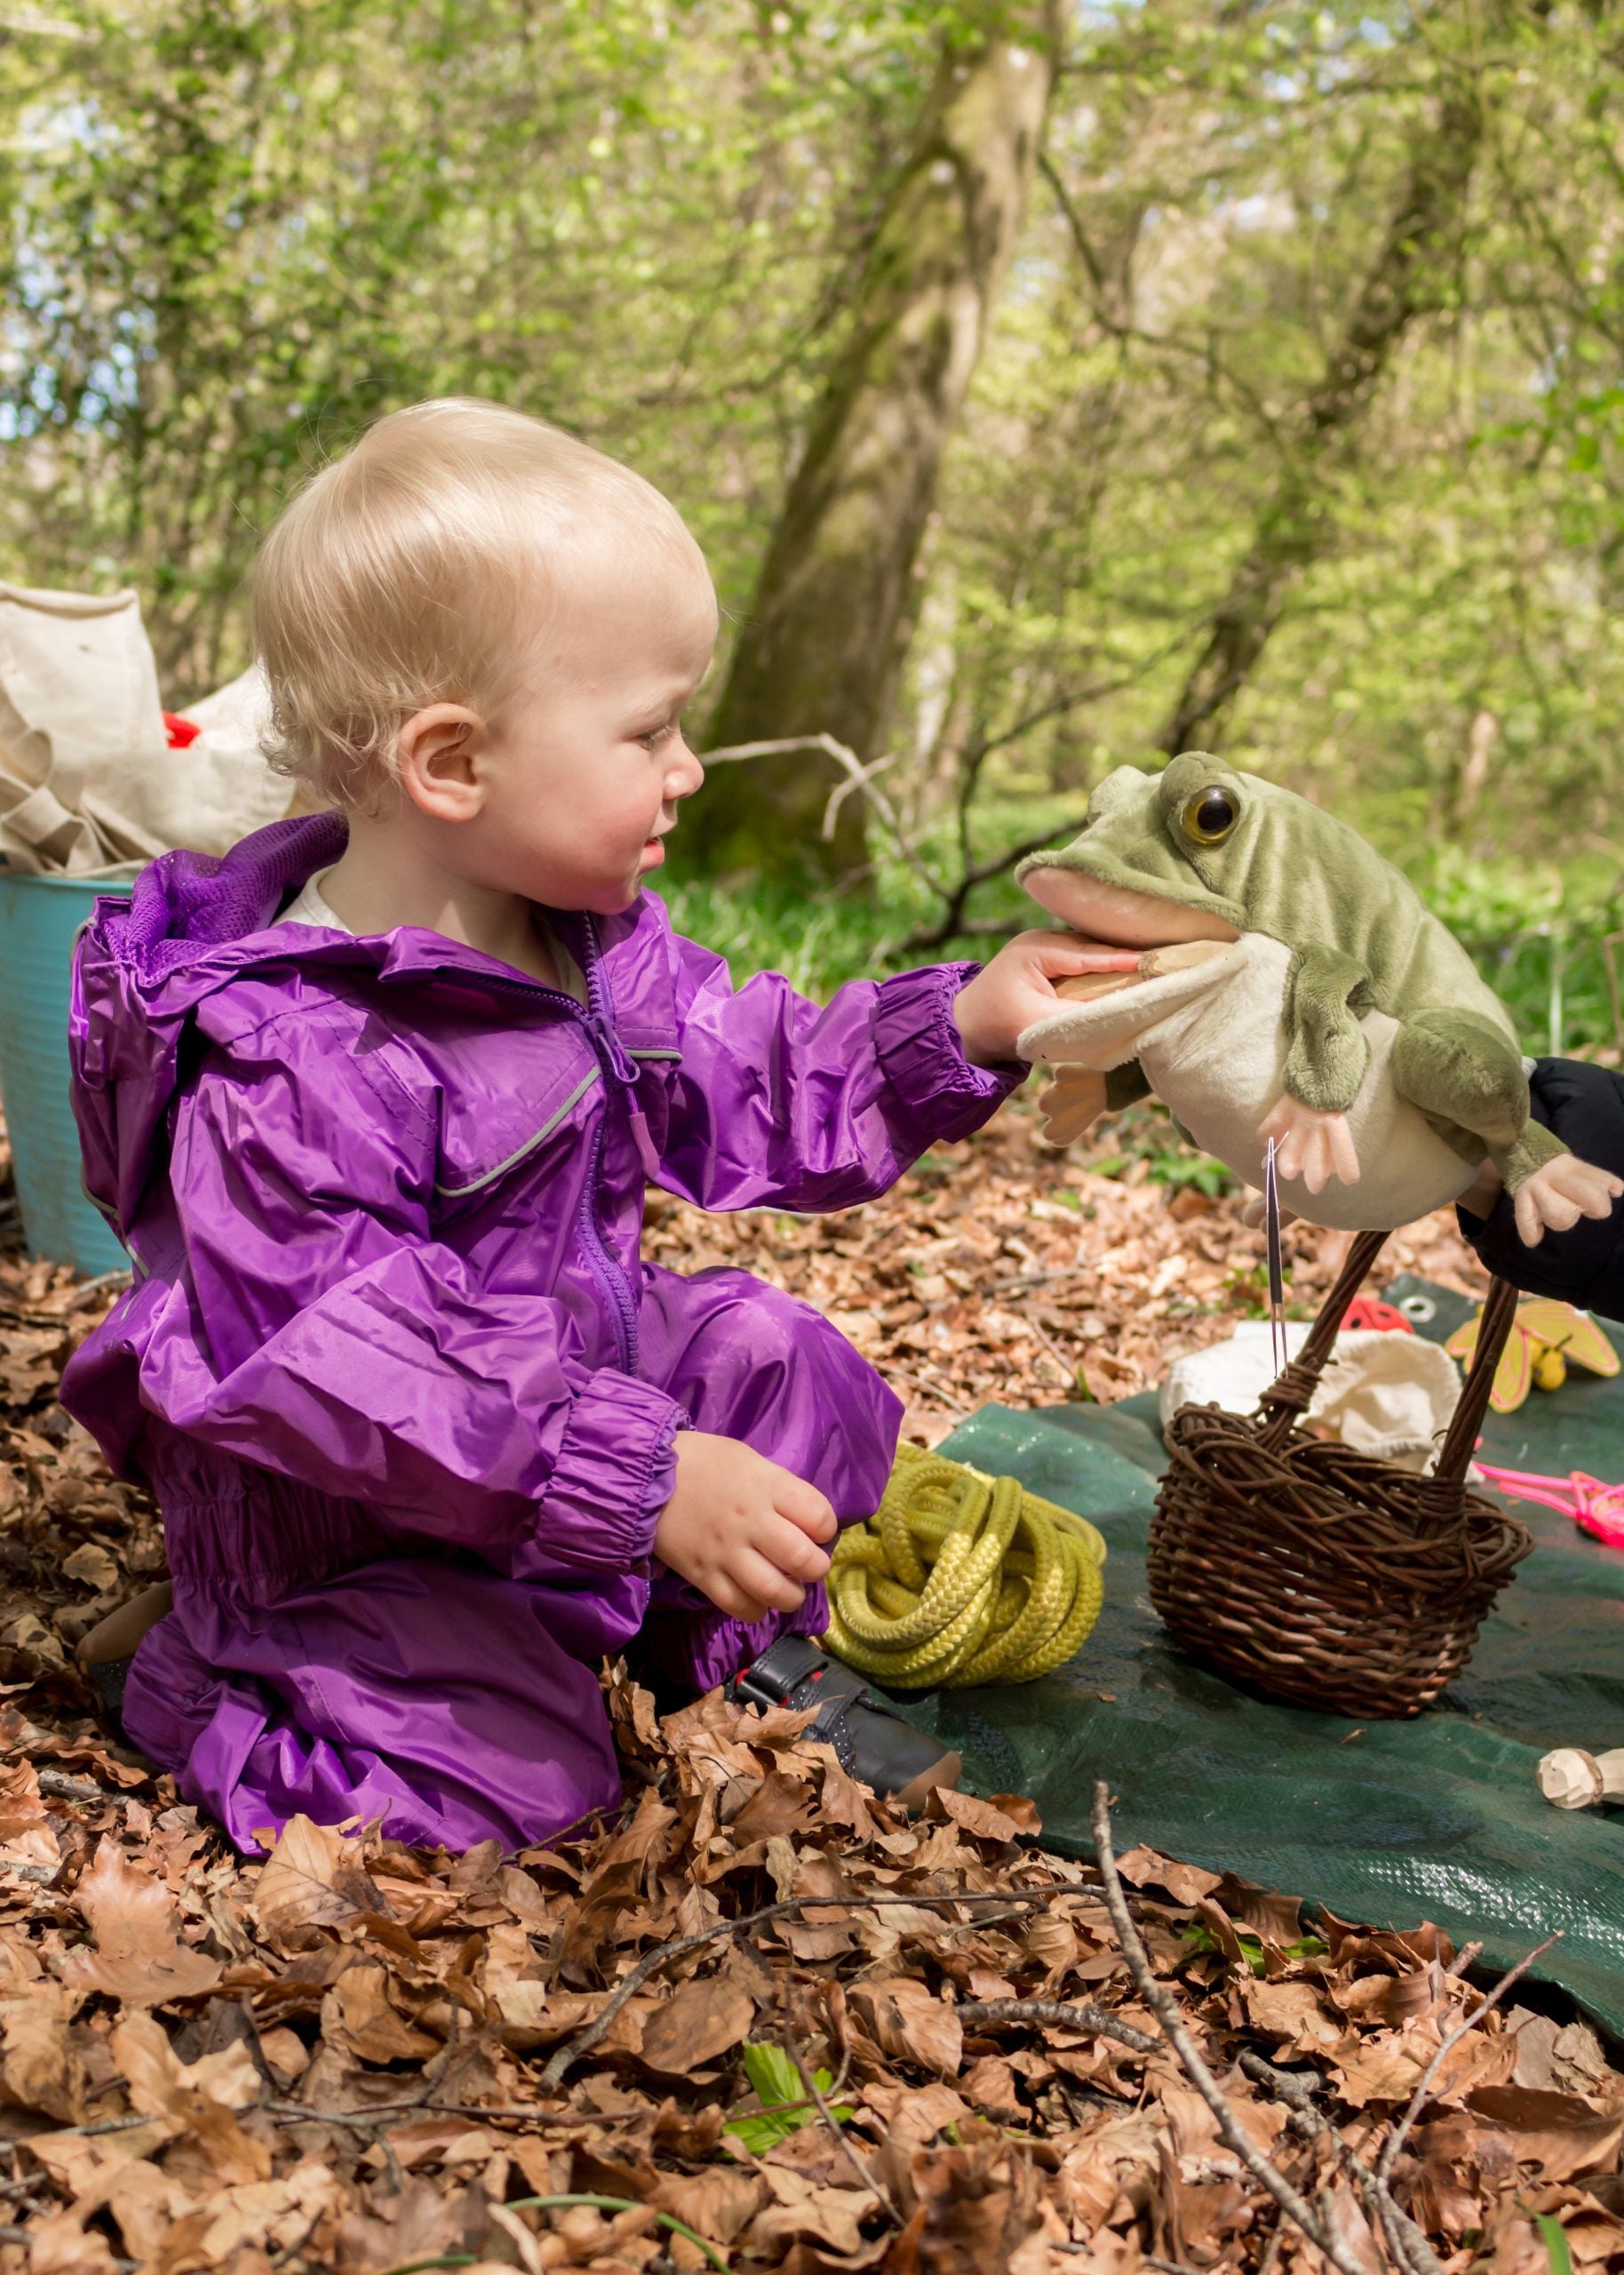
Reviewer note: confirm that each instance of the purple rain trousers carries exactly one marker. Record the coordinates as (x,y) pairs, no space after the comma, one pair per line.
(392,1364)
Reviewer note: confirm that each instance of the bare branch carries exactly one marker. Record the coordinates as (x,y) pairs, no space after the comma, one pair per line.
(1462,2029)
(1165,2008)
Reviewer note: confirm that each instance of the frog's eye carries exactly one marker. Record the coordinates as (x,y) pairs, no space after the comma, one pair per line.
(1211,815)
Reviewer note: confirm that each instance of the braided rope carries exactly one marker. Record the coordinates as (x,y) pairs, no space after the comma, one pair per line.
(961,1579)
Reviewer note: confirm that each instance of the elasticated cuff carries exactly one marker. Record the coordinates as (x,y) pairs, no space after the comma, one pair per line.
(614,1475)
(920,1046)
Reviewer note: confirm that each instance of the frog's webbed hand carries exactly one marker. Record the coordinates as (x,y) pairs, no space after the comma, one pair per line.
(1309,1144)
(1555,1196)
(1326,1059)
(1462,1071)
(1078,1096)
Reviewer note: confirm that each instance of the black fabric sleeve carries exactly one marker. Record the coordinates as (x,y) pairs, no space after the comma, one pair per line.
(1584,1105)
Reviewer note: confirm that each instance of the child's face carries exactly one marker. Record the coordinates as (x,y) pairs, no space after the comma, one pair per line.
(582,770)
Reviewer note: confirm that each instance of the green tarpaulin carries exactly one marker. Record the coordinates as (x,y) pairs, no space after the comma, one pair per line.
(1436,1818)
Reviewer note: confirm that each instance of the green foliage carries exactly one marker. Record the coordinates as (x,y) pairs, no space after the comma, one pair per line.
(785,2107)
(1201,1938)
(239,229)
(1176,1170)
(1553,2235)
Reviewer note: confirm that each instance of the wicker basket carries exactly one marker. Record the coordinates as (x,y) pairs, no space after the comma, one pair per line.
(1327,1577)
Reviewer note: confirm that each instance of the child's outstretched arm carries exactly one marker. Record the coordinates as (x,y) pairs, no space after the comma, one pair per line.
(317,1328)
(782,1101)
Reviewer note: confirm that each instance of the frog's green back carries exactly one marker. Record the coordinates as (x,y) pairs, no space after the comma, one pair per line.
(1284,868)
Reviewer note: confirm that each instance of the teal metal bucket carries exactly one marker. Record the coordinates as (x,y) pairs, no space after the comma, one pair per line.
(39,918)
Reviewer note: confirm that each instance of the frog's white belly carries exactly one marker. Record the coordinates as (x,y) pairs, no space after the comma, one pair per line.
(1212,1042)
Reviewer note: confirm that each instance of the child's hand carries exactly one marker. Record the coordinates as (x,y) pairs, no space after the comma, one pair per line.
(741,1528)
(1017,988)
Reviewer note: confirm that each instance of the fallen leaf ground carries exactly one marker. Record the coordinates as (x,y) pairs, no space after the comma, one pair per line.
(355,2056)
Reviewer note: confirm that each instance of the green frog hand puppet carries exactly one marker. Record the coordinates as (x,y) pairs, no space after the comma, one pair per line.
(1268,975)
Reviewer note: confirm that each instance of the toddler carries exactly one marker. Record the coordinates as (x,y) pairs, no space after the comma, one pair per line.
(372,1102)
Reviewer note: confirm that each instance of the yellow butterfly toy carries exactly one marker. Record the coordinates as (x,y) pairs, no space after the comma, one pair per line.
(1545,1339)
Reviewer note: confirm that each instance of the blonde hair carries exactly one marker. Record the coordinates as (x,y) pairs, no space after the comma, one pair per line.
(419,568)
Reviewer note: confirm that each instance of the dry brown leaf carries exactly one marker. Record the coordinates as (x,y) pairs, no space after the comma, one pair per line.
(907,2021)
(1558,2134)
(1142,1867)
(138,1955)
(717,2205)
(357,2015)
(60,2246)
(915,2114)
(1295,2014)
(40,2067)
(981,1819)
(701,2020)
(315,1879)
(801,2208)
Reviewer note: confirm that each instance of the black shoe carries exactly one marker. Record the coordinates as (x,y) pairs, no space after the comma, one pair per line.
(107,1678)
(871,1741)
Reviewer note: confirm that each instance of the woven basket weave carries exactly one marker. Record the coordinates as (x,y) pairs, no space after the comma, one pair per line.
(1324,1575)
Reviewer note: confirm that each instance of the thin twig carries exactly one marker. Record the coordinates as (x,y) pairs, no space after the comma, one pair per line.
(842,2141)
(1462,2029)
(107,2125)
(1463,1958)
(553,2075)
(1165,2008)
(1051,2013)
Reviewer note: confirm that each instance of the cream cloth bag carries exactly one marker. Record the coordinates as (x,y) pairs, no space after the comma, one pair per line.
(87,777)
(1389,1395)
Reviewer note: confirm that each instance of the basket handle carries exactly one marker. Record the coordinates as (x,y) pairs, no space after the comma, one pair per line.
(1293,1389)
(1493,1329)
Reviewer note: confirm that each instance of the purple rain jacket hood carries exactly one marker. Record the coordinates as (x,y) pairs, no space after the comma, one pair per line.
(392,1363)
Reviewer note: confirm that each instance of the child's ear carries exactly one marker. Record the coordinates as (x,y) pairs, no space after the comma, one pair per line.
(436,756)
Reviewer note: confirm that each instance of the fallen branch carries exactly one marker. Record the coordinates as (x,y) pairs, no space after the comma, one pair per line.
(554,2075)
(1451,2039)
(1056,2015)
(58,1785)
(1163,2006)
(1409,2245)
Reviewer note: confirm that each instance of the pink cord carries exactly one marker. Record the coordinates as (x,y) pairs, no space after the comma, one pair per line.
(1595,1508)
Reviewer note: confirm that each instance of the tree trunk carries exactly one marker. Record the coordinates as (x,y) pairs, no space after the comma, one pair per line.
(827,635)
(1297,525)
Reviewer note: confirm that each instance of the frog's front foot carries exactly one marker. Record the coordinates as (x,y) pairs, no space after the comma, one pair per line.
(1310,1144)
(1558,1193)
(1073,1100)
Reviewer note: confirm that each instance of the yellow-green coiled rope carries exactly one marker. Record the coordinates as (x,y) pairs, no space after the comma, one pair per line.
(961,1579)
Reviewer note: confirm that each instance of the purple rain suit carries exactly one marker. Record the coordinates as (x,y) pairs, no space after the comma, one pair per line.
(393,1365)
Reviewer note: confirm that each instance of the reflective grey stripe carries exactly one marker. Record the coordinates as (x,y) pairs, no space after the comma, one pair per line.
(454,1191)
(655,1053)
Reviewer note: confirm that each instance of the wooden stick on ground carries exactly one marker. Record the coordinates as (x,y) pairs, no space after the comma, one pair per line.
(1055,2015)
(1165,2008)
